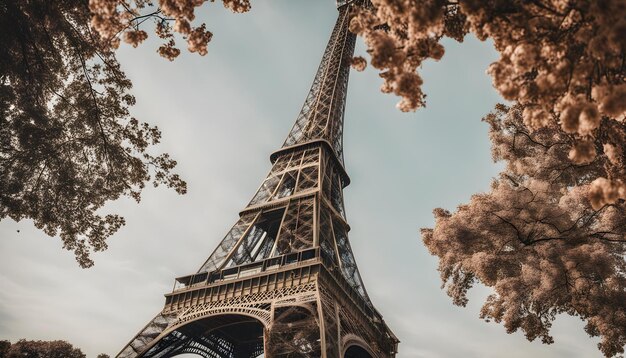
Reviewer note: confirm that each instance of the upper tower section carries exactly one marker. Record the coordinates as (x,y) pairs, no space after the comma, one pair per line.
(321,117)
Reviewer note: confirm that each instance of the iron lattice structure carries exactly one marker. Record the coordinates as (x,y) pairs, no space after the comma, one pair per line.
(284,281)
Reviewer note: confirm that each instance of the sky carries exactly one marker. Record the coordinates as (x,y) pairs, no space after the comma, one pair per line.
(221,116)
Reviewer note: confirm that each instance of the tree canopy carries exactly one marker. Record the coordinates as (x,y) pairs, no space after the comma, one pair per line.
(68,144)
(537,239)
(39,349)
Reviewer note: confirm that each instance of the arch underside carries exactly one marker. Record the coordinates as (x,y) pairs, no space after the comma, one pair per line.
(223,336)
(355,346)
(357,351)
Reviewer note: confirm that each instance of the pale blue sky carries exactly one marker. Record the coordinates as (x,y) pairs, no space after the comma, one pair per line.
(221,116)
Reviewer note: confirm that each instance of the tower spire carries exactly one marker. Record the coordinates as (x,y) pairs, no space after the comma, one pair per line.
(283,282)
(321,116)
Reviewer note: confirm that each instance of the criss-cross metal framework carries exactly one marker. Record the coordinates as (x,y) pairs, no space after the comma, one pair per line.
(284,281)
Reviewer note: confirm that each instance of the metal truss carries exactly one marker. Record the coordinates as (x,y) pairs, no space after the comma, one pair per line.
(284,281)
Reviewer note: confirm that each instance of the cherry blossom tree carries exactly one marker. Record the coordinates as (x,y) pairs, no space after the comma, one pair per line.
(542,238)
(563,60)
(122,19)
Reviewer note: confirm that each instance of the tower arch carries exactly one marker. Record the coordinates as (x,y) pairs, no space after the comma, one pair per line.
(355,347)
(212,336)
(357,352)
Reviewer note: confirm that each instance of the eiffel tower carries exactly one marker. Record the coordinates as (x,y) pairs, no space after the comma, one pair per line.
(284,281)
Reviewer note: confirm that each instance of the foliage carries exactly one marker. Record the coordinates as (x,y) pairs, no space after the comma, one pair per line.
(67,142)
(4,348)
(39,349)
(565,61)
(116,19)
(537,238)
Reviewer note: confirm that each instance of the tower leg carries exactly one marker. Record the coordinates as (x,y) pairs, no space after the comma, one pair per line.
(295,332)
(147,335)
(266,347)
(330,326)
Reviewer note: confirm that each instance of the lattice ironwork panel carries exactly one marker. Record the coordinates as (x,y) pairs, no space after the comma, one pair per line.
(329,309)
(292,173)
(259,239)
(296,232)
(269,187)
(348,263)
(332,185)
(327,242)
(152,330)
(350,324)
(255,305)
(218,256)
(295,332)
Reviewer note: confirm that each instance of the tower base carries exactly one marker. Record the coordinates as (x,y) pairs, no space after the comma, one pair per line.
(291,306)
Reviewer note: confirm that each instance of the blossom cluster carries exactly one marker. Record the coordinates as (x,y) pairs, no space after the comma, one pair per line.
(563,60)
(548,238)
(122,19)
